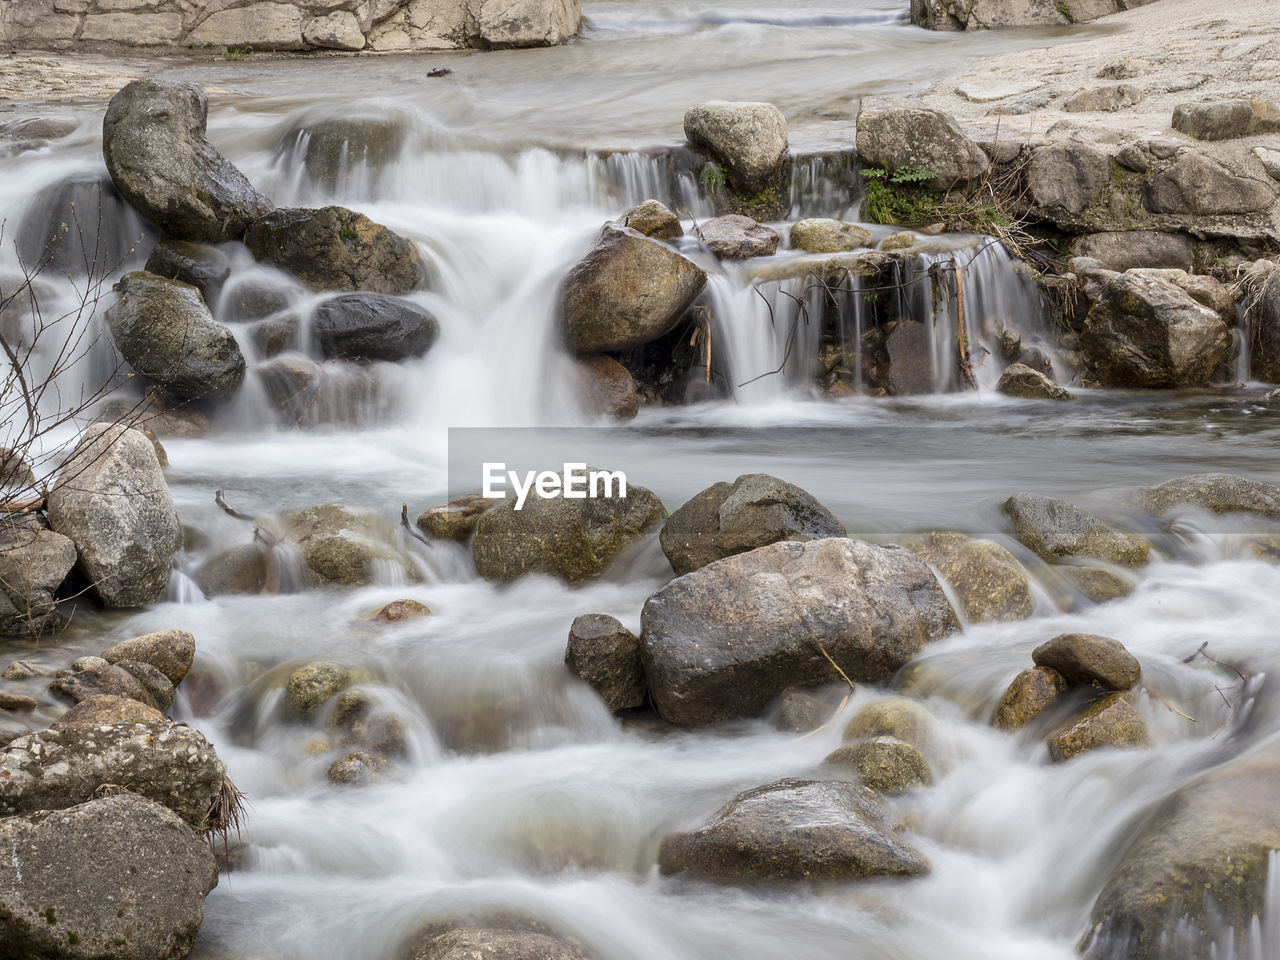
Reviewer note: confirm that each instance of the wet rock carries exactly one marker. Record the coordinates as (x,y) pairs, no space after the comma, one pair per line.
(1055,529)
(652,219)
(53,769)
(337,147)
(794,830)
(722,642)
(60,228)
(454,520)
(606,656)
(107,709)
(38,129)
(1097,584)
(909,346)
(84,663)
(1106,99)
(169,651)
(822,235)
(238,570)
(1067,176)
(291,384)
(369,326)
(152,869)
(897,242)
(111,499)
(1200,185)
(1226,119)
(166,333)
(339,545)
(608,388)
(470,943)
(334,248)
(99,680)
(1111,722)
(153,140)
(356,769)
(884,763)
(1203,289)
(749,140)
(909,137)
(256,299)
(1027,696)
(159,687)
(989,582)
(735,237)
(275,335)
(1197,872)
(20,670)
(890,717)
(33,564)
(1216,493)
(203,267)
(1125,250)
(800,711)
(401,611)
(311,687)
(627,291)
(17,702)
(1020,380)
(1085,658)
(573,539)
(731,518)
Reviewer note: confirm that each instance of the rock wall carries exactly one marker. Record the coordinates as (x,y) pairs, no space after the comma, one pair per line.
(167,26)
(997,14)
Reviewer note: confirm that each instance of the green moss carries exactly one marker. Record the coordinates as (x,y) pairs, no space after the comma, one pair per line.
(1065,11)
(50,916)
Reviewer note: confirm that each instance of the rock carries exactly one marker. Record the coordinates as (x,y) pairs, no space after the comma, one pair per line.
(1270,161)
(526,23)
(159,687)
(1197,872)
(311,687)
(896,242)
(369,326)
(21,670)
(606,656)
(256,299)
(74,203)
(732,518)
(275,335)
(1067,176)
(456,519)
(268,25)
(1128,249)
(749,140)
(96,681)
(794,830)
(53,769)
(627,291)
(151,869)
(399,611)
(1084,658)
(1216,493)
(1227,119)
(909,346)
(1097,584)
(34,562)
(341,546)
(1055,529)
(897,138)
(339,30)
(734,237)
(17,702)
(1203,289)
(608,388)
(166,333)
(722,642)
(238,570)
(1200,185)
(107,709)
(470,943)
(356,769)
(1027,696)
(885,764)
(890,717)
(38,129)
(203,267)
(333,248)
(652,219)
(1002,14)
(292,384)
(153,140)
(987,579)
(573,539)
(800,711)
(1111,722)
(821,235)
(1106,99)
(1142,332)
(1019,380)
(84,663)
(111,499)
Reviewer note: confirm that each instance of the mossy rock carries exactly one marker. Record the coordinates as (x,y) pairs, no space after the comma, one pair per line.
(1111,722)
(891,717)
(1028,695)
(886,764)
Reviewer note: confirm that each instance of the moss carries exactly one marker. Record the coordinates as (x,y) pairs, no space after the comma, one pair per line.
(50,916)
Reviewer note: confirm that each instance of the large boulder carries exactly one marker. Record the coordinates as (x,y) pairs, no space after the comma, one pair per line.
(1226,119)
(1215,493)
(1056,530)
(1064,178)
(111,499)
(926,141)
(1197,872)
(33,564)
(1001,14)
(628,290)
(1127,249)
(987,579)
(334,248)
(732,518)
(1020,380)
(1146,332)
(153,140)
(370,326)
(606,656)
(749,140)
(573,539)
(823,235)
(1199,184)
(653,219)
(722,642)
(149,873)
(794,830)
(166,333)
(172,764)
(336,148)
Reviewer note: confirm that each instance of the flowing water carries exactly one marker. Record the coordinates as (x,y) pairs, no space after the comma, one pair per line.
(517,790)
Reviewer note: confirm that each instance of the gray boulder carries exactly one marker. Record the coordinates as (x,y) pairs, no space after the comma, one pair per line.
(724,641)
(1127,249)
(794,830)
(33,564)
(149,873)
(734,237)
(732,518)
(606,656)
(608,389)
(1227,119)
(203,267)
(1066,177)
(111,499)
(153,140)
(1085,658)
(1216,493)
(627,291)
(749,140)
(897,137)
(166,333)
(1055,530)
(1020,380)
(370,326)
(334,248)
(1198,184)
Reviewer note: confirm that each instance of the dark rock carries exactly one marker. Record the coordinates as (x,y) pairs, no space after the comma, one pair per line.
(1027,696)
(369,326)
(199,266)
(749,140)
(337,147)
(1216,493)
(78,221)
(909,346)
(734,237)
(17,702)
(257,299)
(914,137)
(1111,722)
(292,384)
(987,579)
(1055,529)
(238,570)
(608,388)
(1086,658)
(606,656)
(456,519)
(1226,119)
(33,564)
(800,711)
(275,335)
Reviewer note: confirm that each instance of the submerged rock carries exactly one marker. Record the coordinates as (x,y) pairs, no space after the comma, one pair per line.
(1027,696)
(1055,529)
(338,146)
(898,137)
(731,518)
(989,582)
(722,642)
(356,768)
(486,943)
(311,687)
(34,562)
(340,545)
(203,267)
(1216,493)
(749,140)
(891,717)
(794,830)
(370,326)
(238,570)
(884,763)
(1111,722)
(153,141)
(1086,658)
(735,237)
(606,655)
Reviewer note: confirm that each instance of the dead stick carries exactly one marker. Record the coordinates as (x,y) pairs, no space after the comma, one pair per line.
(269,539)
(413,531)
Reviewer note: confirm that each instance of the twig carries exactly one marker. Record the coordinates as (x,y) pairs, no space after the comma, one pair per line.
(269,539)
(413,531)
